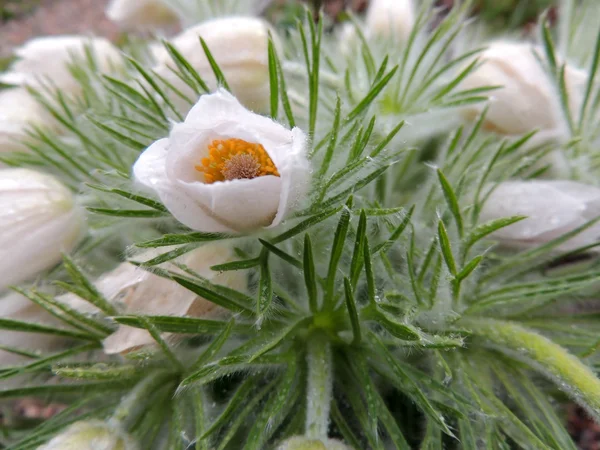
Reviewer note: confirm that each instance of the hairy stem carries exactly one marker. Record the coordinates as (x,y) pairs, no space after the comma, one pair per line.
(319,388)
(135,401)
(544,356)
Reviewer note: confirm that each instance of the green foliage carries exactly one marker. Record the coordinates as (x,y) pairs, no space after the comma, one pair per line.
(381,313)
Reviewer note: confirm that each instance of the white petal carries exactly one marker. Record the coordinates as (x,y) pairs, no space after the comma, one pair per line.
(294,169)
(49,57)
(240,205)
(142,14)
(150,171)
(547,209)
(38,221)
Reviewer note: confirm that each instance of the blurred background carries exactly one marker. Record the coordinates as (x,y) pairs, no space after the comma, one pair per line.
(21,20)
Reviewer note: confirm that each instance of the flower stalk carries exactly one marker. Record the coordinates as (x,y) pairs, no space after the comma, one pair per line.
(544,356)
(319,390)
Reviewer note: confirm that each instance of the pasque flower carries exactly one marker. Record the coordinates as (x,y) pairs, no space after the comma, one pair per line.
(527,99)
(154,295)
(141,14)
(47,59)
(226,169)
(134,290)
(18,111)
(240,47)
(552,208)
(91,435)
(39,219)
(390,18)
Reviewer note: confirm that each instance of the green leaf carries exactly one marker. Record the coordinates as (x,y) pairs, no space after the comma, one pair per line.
(233,406)
(411,388)
(339,240)
(400,330)
(181,325)
(214,347)
(357,254)
(78,389)
(310,278)
(488,228)
(220,77)
(129,213)
(42,364)
(265,286)
(131,196)
(371,96)
(468,268)
(446,249)
(218,295)
(305,225)
(386,245)
(188,238)
(186,69)
(31,327)
(351,305)
(89,291)
(272,411)
(281,254)
(237,265)
(332,143)
(97,371)
(452,202)
(273,79)
(369,273)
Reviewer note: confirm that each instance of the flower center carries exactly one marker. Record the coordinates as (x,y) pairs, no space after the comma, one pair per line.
(232,159)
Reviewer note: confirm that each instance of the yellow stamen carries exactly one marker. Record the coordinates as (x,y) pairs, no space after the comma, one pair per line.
(232,159)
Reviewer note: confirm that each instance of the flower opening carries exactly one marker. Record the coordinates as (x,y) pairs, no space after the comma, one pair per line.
(232,159)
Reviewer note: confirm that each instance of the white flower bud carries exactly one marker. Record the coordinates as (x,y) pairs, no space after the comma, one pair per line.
(304,443)
(46,59)
(390,19)
(91,435)
(528,99)
(226,169)
(19,110)
(38,220)
(553,208)
(240,47)
(138,291)
(142,14)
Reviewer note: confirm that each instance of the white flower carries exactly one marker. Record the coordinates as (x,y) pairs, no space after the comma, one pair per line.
(240,47)
(528,99)
(390,18)
(137,291)
(142,14)
(226,169)
(19,110)
(46,59)
(553,208)
(91,435)
(304,443)
(38,220)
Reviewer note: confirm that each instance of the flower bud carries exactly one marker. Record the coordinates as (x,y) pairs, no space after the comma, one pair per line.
(91,435)
(240,47)
(390,19)
(526,98)
(38,221)
(304,443)
(18,111)
(47,59)
(552,208)
(137,291)
(142,14)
